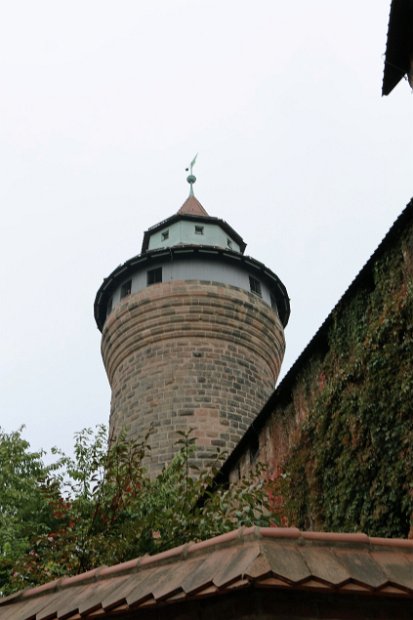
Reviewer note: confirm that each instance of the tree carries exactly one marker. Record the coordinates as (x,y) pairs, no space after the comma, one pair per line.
(26,492)
(100,507)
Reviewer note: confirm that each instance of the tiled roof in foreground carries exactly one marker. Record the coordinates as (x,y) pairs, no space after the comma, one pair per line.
(279,559)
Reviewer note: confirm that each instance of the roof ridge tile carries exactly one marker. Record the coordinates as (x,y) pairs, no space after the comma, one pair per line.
(402,543)
(340,537)
(279,532)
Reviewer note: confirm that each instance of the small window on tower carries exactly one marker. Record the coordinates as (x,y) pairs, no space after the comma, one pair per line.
(109,306)
(154,276)
(165,235)
(229,243)
(126,289)
(274,303)
(255,286)
(199,230)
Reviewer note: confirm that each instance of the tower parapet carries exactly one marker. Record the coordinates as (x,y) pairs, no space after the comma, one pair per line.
(192,336)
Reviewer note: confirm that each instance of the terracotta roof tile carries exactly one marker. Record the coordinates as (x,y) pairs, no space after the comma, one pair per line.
(286,561)
(49,611)
(279,532)
(397,566)
(259,568)
(120,568)
(129,590)
(142,586)
(323,563)
(96,614)
(67,603)
(93,598)
(168,581)
(205,572)
(390,589)
(192,206)
(361,566)
(315,584)
(235,562)
(272,581)
(261,558)
(353,586)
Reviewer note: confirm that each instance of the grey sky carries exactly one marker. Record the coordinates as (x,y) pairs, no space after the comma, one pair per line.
(102,106)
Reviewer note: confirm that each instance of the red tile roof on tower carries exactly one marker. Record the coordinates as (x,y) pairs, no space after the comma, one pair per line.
(272,559)
(192,206)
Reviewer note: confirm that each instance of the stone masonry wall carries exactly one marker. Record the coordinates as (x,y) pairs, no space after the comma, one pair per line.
(337,434)
(190,354)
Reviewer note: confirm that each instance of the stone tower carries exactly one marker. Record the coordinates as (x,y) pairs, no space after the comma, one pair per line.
(192,335)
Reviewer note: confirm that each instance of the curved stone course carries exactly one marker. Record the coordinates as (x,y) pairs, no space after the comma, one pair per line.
(190,354)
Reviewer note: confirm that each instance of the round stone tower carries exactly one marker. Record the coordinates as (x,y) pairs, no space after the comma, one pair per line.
(192,336)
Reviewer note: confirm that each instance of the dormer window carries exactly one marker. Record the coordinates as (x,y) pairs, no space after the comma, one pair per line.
(165,235)
(255,286)
(126,289)
(199,230)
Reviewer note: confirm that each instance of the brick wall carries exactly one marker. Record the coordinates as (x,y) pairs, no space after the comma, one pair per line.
(190,354)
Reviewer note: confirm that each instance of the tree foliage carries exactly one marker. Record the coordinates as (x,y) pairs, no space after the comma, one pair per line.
(26,491)
(100,506)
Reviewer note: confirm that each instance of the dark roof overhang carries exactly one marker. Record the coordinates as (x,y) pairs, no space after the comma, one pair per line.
(193,218)
(181,252)
(399,44)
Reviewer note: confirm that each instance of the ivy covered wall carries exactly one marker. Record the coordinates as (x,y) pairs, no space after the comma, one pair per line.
(337,434)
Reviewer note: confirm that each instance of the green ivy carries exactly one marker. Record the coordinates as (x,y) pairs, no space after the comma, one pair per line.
(352,468)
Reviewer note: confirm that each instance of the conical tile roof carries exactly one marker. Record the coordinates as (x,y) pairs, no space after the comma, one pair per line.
(192,206)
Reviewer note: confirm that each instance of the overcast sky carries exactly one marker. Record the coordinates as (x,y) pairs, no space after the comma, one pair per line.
(102,106)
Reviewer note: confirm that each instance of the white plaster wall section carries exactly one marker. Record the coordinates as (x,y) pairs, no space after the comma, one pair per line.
(185,232)
(196,269)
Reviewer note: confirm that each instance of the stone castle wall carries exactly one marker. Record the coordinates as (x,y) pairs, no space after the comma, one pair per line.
(337,433)
(190,354)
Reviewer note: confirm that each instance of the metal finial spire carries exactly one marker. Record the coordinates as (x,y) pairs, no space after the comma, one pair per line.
(191,178)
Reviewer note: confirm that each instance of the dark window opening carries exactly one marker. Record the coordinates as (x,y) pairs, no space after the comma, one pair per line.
(199,230)
(254,448)
(255,286)
(165,235)
(154,276)
(229,243)
(126,289)
(109,306)
(274,303)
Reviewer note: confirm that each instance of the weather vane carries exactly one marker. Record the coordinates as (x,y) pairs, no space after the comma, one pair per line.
(191,178)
